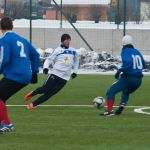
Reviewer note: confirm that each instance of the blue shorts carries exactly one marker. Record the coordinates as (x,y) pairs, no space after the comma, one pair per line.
(126,85)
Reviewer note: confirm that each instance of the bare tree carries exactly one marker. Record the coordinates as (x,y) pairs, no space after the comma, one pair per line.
(147,11)
(95,14)
(72,13)
(13,9)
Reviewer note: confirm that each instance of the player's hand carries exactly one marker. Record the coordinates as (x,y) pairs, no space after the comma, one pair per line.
(45,70)
(34,78)
(117,74)
(73,75)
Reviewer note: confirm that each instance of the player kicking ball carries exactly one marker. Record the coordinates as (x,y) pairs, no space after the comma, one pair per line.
(19,63)
(129,76)
(64,61)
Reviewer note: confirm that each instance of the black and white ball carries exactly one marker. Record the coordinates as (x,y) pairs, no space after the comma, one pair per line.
(99,102)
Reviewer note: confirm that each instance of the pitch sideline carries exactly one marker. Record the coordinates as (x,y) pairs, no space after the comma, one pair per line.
(137,109)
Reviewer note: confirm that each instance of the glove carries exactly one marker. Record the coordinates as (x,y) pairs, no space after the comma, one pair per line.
(34,79)
(117,74)
(45,70)
(73,75)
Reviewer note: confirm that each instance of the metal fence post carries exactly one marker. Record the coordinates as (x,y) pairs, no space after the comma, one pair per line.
(30,21)
(124,20)
(69,19)
(118,14)
(5,6)
(61,15)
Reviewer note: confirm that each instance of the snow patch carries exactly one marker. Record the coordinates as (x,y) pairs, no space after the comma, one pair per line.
(94,62)
(39,23)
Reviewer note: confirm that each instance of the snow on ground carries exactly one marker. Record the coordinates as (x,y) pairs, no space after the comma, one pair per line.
(146,58)
(90,62)
(24,23)
(95,63)
(83,2)
(97,72)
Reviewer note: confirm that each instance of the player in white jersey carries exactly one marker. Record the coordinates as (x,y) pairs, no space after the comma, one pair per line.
(64,61)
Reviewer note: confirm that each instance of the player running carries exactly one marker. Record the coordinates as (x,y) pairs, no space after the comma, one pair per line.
(65,62)
(19,63)
(130,79)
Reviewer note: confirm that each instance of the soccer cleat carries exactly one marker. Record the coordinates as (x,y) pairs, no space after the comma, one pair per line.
(107,113)
(119,110)
(6,128)
(28,96)
(30,106)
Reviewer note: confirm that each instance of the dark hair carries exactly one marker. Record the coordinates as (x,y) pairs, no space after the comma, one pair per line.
(6,23)
(128,46)
(65,37)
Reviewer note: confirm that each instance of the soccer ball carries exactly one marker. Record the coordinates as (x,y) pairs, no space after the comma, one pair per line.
(99,102)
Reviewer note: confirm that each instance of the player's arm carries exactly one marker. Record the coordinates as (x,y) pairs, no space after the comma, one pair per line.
(127,62)
(49,60)
(35,59)
(4,56)
(143,61)
(75,65)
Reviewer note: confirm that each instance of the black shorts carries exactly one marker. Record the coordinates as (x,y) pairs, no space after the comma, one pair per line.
(52,86)
(8,88)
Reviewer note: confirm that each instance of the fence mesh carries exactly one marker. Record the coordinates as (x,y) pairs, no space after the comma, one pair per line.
(100,23)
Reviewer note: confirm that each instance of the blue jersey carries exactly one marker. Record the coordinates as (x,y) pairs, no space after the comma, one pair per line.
(18,59)
(132,62)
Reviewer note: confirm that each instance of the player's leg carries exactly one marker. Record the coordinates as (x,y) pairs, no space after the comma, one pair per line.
(48,84)
(124,100)
(7,89)
(133,83)
(59,84)
(113,90)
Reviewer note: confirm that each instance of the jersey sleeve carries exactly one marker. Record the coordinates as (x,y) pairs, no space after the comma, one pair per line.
(35,59)
(126,62)
(50,60)
(143,61)
(76,63)
(4,56)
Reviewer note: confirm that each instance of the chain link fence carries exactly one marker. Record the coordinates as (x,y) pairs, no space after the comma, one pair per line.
(98,24)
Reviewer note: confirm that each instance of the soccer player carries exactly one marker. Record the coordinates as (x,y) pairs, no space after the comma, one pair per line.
(129,76)
(19,64)
(64,61)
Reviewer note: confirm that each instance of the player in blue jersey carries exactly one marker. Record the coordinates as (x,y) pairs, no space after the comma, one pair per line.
(129,76)
(19,64)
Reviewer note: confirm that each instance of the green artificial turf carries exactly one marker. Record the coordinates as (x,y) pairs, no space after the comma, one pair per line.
(78,128)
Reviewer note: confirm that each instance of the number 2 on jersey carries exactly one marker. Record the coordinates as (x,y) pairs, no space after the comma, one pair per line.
(137,62)
(22,52)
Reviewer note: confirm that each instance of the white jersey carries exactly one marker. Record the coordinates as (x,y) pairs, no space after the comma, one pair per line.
(64,62)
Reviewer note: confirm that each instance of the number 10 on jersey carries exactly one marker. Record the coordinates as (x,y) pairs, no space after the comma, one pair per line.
(137,62)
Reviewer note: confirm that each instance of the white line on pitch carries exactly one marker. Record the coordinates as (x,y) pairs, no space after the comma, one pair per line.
(72,106)
(52,105)
(141,110)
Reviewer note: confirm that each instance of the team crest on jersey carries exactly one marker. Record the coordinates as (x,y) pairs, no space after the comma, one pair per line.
(67,60)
